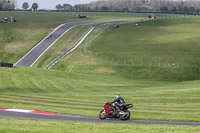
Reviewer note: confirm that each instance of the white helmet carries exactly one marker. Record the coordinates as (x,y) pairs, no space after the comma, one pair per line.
(117,96)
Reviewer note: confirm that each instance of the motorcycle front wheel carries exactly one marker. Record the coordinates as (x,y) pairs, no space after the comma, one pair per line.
(125,116)
(103,115)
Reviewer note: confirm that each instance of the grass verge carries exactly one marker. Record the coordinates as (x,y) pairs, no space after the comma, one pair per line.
(41,126)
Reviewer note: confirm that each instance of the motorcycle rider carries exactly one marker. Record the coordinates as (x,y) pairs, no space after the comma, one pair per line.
(120,103)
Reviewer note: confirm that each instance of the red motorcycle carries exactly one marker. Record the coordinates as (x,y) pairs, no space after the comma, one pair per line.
(110,111)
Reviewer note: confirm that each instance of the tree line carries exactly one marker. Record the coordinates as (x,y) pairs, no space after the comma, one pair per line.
(170,6)
(7,5)
(34,6)
(68,7)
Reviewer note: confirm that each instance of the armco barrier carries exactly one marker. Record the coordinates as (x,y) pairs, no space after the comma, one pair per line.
(6,64)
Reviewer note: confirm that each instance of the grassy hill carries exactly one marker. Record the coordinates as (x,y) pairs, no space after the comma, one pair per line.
(165,49)
(144,64)
(16,39)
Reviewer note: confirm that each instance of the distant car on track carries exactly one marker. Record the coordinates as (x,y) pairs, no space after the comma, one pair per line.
(115,26)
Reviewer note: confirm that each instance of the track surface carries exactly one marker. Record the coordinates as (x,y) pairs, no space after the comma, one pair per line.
(32,56)
(19,115)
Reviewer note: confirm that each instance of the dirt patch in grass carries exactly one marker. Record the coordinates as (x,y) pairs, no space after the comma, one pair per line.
(19,47)
(104,70)
(86,59)
(29,38)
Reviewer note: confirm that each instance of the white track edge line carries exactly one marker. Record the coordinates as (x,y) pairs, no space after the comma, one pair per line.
(75,46)
(19,110)
(52,44)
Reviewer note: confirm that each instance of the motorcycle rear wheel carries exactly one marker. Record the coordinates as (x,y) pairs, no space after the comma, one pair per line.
(103,115)
(125,116)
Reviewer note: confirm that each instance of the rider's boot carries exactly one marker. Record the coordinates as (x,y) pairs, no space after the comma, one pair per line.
(120,111)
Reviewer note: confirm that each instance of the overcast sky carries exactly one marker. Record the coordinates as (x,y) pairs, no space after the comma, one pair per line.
(51,4)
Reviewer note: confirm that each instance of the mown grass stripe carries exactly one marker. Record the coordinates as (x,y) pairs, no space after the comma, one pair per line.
(75,106)
(49,98)
(71,102)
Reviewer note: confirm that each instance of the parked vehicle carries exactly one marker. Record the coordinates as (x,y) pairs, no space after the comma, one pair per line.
(115,26)
(110,111)
(5,20)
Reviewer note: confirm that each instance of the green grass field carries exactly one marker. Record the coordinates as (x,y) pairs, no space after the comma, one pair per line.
(41,126)
(155,66)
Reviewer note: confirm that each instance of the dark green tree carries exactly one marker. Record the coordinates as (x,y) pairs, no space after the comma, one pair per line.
(125,9)
(0,6)
(59,7)
(198,10)
(34,6)
(164,8)
(25,5)
(185,9)
(192,9)
(96,8)
(67,7)
(104,8)
(173,9)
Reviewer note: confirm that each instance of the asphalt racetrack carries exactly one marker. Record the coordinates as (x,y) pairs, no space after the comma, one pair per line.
(20,115)
(33,55)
